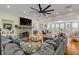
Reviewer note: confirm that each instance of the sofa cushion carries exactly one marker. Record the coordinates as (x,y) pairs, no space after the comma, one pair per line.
(51,42)
(11,49)
(46,51)
(57,41)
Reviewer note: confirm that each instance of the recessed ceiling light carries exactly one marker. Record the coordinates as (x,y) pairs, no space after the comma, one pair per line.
(24,12)
(8,6)
(57,13)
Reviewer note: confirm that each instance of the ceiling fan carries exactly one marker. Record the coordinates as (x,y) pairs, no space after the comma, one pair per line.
(43,11)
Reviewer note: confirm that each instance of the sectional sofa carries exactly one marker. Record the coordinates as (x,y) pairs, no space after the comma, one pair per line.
(49,47)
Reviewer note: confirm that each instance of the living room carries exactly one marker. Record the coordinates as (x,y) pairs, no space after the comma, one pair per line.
(39,29)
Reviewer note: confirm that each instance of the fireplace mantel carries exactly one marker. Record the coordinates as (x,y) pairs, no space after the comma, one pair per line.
(23,26)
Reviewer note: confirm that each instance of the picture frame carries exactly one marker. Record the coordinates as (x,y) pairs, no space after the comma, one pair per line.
(7,26)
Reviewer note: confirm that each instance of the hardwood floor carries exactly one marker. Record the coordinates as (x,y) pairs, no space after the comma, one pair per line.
(72,48)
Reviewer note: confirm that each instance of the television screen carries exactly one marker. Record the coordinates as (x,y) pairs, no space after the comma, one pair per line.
(25,21)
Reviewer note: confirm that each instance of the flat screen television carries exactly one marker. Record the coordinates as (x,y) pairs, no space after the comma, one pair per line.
(25,21)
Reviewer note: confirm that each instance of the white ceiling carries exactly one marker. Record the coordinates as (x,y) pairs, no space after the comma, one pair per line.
(21,8)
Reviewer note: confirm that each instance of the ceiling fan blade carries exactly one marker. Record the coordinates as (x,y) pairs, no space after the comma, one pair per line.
(47,7)
(47,13)
(34,9)
(68,6)
(49,10)
(40,7)
(43,14)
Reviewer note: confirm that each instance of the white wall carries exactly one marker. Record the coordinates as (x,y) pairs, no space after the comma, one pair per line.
(14,18)
(10,17)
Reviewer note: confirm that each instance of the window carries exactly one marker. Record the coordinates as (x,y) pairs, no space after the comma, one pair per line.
(75,26)
(68,26)
(62,26)
(48,25)
(57,27)
(53,27)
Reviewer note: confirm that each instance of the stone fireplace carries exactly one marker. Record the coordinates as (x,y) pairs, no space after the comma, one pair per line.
(24,32)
